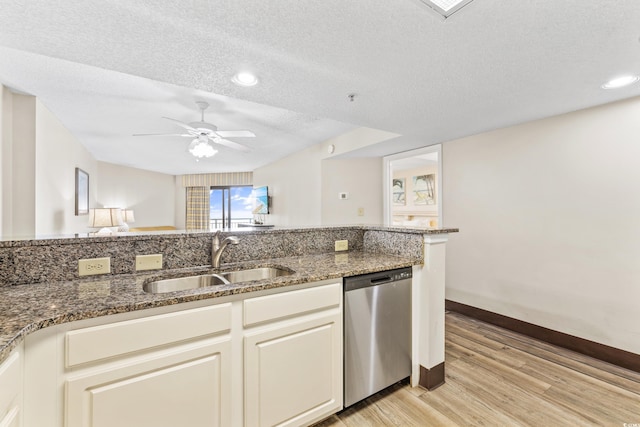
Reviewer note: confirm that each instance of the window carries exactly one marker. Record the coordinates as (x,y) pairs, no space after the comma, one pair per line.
(230,206)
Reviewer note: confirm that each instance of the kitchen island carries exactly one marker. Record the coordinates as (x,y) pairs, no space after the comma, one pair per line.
(28,308)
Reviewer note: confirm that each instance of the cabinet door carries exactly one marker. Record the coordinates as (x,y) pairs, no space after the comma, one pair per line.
(293,372)
(11,389)
(189,386)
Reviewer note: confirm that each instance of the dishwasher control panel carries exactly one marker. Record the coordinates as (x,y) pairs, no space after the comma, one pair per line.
(404,274)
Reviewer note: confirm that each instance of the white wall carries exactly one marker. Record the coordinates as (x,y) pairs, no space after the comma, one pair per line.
(38,157)
(57,155)
(180,209)
(6,107)
(151,195)
(304,186)
(23,146)
(362,179)
(294,186)
(549,219)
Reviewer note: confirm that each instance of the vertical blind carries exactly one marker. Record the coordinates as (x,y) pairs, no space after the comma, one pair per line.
(197,208)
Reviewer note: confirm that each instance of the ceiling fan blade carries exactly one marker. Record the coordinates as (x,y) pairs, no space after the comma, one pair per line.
(231,144)
(235,133)
(179,123)
(162,134)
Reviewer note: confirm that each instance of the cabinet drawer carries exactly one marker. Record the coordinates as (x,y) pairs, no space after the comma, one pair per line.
(115,339)
(293,303)
(10,383)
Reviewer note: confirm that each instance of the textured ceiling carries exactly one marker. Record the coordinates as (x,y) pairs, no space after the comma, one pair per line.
(491,65)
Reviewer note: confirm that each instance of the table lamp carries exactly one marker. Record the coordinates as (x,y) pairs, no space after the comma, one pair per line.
(105,218)
(127,219)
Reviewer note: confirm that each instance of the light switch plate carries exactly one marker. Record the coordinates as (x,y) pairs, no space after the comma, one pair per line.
(148,262)
(342,245)
(93,266)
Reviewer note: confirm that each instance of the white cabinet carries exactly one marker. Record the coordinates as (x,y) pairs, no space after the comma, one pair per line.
(172,388)
(272,359)
(293,356)
(11,389)
(160,371)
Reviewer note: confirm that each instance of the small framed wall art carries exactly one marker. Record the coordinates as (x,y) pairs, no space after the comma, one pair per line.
(399,189)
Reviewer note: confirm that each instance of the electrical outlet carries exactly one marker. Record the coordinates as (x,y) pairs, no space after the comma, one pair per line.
(360,211)
(93,266)
(342,245)
(148,262)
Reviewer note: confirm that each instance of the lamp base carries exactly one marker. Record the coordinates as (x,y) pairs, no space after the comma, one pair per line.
(105,231)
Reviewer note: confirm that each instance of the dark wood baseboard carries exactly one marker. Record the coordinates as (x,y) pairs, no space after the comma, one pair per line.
(593,349)
(432,378)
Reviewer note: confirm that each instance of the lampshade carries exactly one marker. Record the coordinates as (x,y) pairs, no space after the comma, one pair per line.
(128,216)
(105,217)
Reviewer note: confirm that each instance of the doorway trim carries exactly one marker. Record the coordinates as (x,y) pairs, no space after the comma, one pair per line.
(387,174)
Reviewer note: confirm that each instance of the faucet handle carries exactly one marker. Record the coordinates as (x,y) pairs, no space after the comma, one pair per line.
(216,239)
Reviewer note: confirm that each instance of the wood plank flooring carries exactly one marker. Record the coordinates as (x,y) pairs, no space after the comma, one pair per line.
(495,377)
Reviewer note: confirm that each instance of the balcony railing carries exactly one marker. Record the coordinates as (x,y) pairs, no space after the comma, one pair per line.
(217,224)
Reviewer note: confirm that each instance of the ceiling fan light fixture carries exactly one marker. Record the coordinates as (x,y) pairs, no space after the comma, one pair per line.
(621,81)
(200,149)
(245,79)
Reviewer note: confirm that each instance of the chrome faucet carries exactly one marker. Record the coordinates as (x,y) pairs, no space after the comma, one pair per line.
(217,247)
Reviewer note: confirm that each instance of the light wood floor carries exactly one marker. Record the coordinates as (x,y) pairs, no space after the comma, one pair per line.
(495,377)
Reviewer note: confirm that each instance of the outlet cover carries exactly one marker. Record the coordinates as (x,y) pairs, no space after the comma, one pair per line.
(148,262)
(342,245)
(93,266)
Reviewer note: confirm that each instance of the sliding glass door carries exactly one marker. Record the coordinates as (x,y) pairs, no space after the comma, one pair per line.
(230,206)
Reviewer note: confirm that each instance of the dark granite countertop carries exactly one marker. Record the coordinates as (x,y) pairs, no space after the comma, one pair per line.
(28,308)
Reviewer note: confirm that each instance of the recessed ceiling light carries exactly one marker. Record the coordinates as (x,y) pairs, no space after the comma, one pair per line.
(446,8)
(245,79)
(619,82)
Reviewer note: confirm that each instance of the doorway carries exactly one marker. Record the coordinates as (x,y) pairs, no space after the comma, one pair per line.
(412,193)
(230,206)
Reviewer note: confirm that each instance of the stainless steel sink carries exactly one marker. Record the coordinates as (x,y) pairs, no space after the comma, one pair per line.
(227,278)
(255,274)
(183,283)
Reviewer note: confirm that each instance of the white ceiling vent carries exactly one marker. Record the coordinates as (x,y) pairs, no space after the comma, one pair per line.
(445,8)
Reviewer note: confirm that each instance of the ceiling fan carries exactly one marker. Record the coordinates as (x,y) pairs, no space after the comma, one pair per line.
(203,133)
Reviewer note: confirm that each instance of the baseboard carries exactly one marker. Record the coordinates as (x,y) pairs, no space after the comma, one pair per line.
(432,378)
(593,349)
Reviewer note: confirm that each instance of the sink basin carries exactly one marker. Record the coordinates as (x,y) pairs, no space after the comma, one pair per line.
(229,277)
(184,283)
(254,274)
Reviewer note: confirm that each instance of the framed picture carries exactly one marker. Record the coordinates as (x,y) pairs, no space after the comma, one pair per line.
(399,197)
(424,190)
(82,192)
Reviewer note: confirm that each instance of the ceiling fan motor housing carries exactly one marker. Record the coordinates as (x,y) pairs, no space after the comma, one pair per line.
(204,126)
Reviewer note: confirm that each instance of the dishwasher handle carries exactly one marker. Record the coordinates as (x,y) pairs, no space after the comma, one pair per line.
(381,280)
(374,279)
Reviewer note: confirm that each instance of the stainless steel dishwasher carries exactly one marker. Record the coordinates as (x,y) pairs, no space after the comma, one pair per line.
(377,332)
